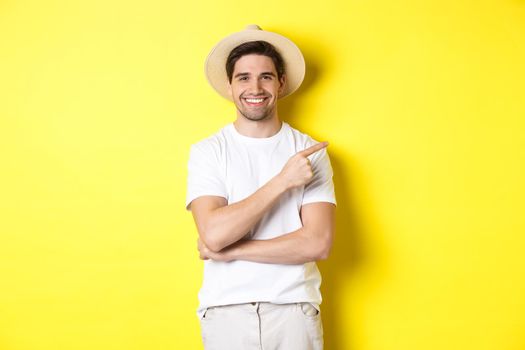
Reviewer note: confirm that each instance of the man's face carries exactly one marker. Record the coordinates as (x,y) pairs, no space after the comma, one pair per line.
(255,87)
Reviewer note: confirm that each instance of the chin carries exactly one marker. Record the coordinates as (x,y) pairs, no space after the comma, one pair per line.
(256,119)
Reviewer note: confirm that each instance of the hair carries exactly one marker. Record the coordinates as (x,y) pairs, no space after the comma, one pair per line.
(259,47)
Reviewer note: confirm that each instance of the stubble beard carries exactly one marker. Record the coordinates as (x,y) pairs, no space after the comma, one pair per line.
(255,115)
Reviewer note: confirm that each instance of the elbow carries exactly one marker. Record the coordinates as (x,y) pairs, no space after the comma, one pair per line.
(211,240)
(323,254)
(323,247)
(215,246)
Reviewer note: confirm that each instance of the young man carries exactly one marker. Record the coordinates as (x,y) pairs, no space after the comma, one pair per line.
(262,197)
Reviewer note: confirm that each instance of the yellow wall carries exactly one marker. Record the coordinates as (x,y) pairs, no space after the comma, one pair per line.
(422,101)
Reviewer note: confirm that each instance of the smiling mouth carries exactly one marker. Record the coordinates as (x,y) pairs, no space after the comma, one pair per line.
(255,101)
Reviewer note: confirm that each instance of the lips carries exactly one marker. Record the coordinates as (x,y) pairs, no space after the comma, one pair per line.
(255,101)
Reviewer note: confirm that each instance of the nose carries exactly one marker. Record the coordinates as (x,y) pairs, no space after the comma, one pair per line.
(256,87)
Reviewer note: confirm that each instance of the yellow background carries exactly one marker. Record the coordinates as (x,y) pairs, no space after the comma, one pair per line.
(422,102)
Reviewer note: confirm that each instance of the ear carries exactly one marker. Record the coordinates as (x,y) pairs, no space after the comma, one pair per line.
(230,89)
(282,83)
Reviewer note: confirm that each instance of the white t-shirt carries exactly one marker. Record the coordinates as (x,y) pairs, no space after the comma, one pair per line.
(234,166)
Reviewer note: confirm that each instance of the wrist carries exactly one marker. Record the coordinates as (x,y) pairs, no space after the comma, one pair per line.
(229,254)
(232,253)
(281,183)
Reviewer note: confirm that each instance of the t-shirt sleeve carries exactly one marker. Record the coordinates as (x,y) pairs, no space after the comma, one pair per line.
(321,188)
(204,174)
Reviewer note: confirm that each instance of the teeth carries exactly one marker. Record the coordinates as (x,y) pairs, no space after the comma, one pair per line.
(254,100)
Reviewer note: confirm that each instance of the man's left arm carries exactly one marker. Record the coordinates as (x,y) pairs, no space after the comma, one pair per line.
(311,242)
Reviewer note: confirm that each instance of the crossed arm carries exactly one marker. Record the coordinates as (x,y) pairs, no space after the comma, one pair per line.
(221,227)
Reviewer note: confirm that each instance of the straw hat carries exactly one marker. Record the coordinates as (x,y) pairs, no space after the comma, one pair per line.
(215,66)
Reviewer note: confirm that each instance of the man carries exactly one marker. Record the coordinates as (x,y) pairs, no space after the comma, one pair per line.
(262,197)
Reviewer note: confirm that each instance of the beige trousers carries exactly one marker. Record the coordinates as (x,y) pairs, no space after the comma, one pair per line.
(262,326)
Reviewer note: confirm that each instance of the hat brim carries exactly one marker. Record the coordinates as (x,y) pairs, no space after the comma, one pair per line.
(215,66)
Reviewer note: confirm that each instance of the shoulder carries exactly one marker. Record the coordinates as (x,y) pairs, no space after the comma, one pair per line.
(211,145)
(301,139)
(304,141)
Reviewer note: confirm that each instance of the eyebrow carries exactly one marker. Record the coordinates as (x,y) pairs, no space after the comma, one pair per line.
(247,74)
(240,75)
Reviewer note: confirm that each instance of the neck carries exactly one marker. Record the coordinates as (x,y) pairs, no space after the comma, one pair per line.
(258,129)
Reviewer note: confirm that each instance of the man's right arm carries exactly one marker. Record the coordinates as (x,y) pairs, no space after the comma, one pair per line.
(221,225)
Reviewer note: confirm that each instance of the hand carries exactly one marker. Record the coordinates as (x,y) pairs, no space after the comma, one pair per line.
(204,251)
(298,170)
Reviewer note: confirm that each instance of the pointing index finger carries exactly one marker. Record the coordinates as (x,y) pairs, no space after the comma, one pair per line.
(312,149)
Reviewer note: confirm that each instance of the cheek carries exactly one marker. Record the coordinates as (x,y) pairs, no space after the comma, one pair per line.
(272,87)
(235,93)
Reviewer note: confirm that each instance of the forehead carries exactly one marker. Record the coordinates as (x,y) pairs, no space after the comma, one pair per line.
(254,63)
